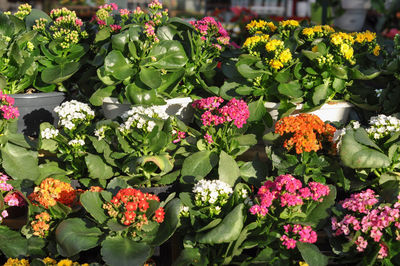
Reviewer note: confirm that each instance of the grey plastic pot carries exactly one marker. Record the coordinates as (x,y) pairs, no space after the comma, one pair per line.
(35,109)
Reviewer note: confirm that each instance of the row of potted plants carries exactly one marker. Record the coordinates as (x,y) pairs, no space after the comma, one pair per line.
(222,210)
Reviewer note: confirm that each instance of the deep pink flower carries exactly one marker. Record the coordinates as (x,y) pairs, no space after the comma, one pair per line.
(208,138)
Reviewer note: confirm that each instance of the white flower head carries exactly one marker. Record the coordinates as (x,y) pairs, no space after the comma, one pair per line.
(76,142)
(49,133)
(382,126)
(73,113)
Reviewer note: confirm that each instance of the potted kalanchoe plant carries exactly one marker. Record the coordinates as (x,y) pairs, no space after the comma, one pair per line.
(78,152)
(293,65)
(144,145)
(212,217)
(284,216)
(303,145)
(137,57)
(220,139)
(366,224)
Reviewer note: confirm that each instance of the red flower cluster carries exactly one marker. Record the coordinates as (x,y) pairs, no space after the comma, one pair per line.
(287,191)
(129,206)
(235,110)
(307,132)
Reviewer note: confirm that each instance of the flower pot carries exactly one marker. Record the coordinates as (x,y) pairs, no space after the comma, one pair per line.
(177,106)
(17,217)
(35,109)
(332,111)
(356,4)
(354,16)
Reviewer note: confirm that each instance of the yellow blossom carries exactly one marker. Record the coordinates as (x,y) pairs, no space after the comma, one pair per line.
(272,44)
(366,36)
(65,262)
(308,32)
(49,261)
(290,22)
(255,25)
(254,40)
(339,37)
(314,49)
(275,64)
(285,56)
(271,26)
(376,50)
(347,51)
(303,263)
(16,262)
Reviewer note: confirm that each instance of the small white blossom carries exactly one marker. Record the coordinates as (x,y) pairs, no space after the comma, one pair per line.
(76,142)
(49,133)
(73,113)
(100,133)
(382,126)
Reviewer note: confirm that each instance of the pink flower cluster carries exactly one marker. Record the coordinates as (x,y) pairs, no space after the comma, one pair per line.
(287,191)
(235,110)
(14,199)
(178,136)
(210,28)
(109,7)
(149,29)
(7,108)
(155,5)
(370,220)
(4,186)
(361,202)
(115,28)
(303,234)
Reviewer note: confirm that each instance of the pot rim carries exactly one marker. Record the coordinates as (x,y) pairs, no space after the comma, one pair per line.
(37,95)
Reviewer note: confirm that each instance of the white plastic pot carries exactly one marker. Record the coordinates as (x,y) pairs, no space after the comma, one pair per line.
(180,107)
(332,111)
(356,4)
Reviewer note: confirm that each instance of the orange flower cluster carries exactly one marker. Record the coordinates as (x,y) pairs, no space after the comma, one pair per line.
(52,191)
(41,225)
(130,206)
(307,132)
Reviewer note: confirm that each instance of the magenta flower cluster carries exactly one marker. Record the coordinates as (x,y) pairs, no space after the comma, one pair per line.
(287,191)
(7,108)
(372,221)
(11,198)
(209,28)
(297,232)
(235,111)
(178,136)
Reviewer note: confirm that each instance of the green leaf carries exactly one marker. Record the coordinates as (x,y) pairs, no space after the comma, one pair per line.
(59,73)
(355,155)
(120,40)
(283,76)
(338,84)
(34,15)
(151,77)
(228,169)
(102,35)
(248,72)
(291,89)
(168,54)
(163,162)
(199,164)
(97,167)
(188,256)
(257,110)
(97,97)
(137,95)
(117,65)
(19,162)
(361,136)
(12,244)
(247,140)
(254,172)
(320,94)
(170,224)
(75,235)
(121,251)
(339,71)
(322,211)
(311,254)
(227,231)
(50,169)
(166,33)
(210,225)
(93,204)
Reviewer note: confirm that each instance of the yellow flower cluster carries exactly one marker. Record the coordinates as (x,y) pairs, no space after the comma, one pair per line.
(366,36)
(273,44)
(255,41)
(16,262)
(289,23)
(317,31)
(47,261)
(338,38)
(260,25)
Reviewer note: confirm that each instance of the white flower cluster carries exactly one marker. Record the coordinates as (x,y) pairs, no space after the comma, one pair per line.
(382,126)
(184,211)
(49,133)
(100,133)
(136,118)
(211,192)
(72,113)
(76,142)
